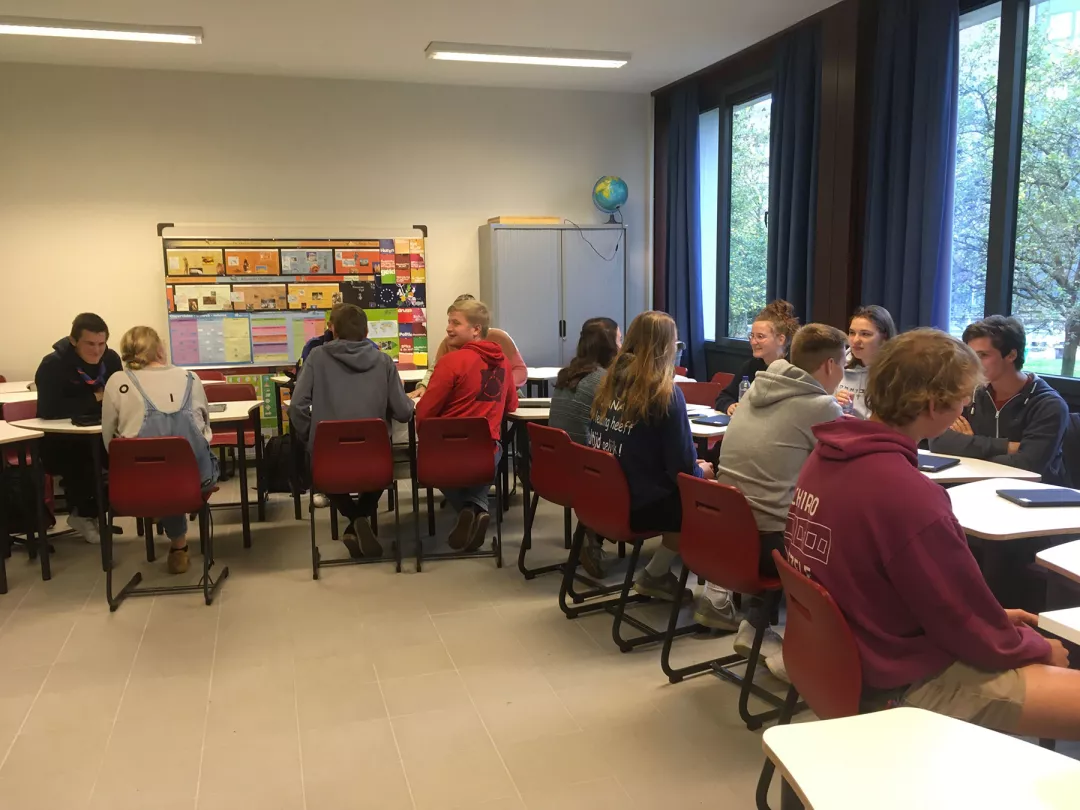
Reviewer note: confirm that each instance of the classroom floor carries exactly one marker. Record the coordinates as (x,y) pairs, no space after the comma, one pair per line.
(460,687)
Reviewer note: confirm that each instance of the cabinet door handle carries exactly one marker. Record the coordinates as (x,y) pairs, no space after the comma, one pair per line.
(562,329)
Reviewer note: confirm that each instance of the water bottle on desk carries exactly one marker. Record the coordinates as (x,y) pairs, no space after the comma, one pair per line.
(744,386)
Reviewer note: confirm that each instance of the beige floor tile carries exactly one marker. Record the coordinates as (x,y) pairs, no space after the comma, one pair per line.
(250,763)
(424,693)
(18,689)
(354,749)
(386,789)
(563,758)
(433,734)
(463,776)
(418,659)
(345,702)
(525,717)
(599,794)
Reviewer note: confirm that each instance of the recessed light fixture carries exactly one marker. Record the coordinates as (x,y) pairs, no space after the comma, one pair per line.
(82,29)
(508,55)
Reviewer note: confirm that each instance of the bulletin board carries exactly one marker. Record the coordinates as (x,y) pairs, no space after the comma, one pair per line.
(256,302)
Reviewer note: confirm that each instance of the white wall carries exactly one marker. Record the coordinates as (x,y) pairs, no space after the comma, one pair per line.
(92,159)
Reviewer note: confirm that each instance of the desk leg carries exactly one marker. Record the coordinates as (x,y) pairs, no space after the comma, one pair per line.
(241,460)
(99,491)
(524,449)
(38,474)
(418,543)
(259,489)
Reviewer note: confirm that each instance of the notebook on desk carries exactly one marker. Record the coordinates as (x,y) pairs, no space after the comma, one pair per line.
(1055,496)
(218,407)
(933,464)
(718,420)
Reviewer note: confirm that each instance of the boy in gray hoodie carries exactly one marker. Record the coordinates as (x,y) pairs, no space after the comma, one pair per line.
(764,448)
(349,378)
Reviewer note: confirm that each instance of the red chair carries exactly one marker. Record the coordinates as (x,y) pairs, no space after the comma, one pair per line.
(722,378)
(551,478)
(352,456)
(16,412)
(453,453)
(699,393)
(225,438)
(3,379)
(149,478)
(602,502)
(212,376)
(720,542)
(680,371)
(820,655)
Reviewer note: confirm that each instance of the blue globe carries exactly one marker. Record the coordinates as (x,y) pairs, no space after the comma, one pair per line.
(609,194)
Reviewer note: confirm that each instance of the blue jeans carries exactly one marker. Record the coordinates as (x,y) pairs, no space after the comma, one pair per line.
(474,496)
(175,526)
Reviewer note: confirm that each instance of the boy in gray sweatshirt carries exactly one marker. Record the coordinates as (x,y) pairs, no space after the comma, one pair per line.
(764,448)
(349,378)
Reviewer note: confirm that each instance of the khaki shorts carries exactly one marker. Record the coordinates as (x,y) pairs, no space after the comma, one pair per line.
(991,699)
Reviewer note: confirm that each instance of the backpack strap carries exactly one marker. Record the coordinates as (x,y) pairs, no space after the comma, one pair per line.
(147,402)
(186,404)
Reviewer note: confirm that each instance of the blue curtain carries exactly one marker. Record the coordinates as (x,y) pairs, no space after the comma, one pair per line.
(908,245)
(793,169)
(682,282)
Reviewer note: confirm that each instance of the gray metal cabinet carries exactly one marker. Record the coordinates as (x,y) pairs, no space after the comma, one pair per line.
(543,281)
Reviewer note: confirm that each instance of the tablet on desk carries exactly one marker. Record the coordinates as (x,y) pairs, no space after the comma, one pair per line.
(88,420)
(718,420)
(1054,496)
(218,407)
(933,464)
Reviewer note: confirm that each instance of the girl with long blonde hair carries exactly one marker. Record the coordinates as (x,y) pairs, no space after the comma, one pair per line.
(639,416)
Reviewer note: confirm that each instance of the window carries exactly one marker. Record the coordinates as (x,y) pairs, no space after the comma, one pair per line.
(1020,58)
(980,34)
(749,226)
(708,197)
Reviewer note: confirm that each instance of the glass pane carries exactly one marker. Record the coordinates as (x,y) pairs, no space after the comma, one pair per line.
(708,192)
(749,213)
(1046,280)
(980,35)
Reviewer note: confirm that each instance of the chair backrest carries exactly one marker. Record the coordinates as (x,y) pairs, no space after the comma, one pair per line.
(3,378)
(16,411)
(602,499)
(454,452)
(720,538)
(722,378)
(681,370)
(551,465)
(820,653)
(230,392)
(352,455)
(153,477)
(207,374)
(699,393)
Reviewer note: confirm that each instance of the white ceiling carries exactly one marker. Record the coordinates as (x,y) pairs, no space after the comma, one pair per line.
(384,40)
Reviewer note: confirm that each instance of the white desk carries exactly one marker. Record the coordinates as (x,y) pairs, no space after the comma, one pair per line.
(15,387)
(906,758)
(1062,623)
(21,437)
(699,432)
(59,426)
(541,373)
(11,434)
(977,469)
(529,415)
(17,396)
(1063,559)
(983,514)
(412,375)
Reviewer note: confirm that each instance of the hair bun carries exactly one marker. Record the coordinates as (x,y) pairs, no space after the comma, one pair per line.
(781,309)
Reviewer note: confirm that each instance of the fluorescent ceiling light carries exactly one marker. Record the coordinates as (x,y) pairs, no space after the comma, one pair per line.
(81,29)
(507,55)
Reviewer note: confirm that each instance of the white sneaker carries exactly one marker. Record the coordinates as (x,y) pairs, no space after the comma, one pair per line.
(320,500)
(87,527)
(771,644)
(775,663)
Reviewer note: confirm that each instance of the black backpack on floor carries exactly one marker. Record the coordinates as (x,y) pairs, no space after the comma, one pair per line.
(278,460)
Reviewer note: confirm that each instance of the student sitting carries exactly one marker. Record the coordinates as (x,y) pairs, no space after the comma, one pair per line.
(1016,419)
(321,340)
(473,379)
(349,378)
(770,337)
(71,383)
(882,539)
(870,327)
(764,449)
(153,398)
(639,416)
(572,401)
(520,374)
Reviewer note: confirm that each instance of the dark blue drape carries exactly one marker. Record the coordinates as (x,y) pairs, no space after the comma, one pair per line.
(793,169)
(907,252)
(682,283)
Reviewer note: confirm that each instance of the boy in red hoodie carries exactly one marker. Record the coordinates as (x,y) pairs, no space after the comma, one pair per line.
(883,540)
(475,381)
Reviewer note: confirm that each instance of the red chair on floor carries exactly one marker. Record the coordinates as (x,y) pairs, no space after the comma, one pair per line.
(699,393)
(720,543)
(149,478)
(15,412)
(722,378)
(453,453)
(680,371)
(351,456)
(820,655)
(551,478)
(225,438)
(212,376)
(3,379)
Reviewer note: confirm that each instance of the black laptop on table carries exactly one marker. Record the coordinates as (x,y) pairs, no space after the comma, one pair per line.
(932,464)
(1050,496)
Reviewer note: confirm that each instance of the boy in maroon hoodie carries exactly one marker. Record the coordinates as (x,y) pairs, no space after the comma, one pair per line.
(475,381)
(882,539)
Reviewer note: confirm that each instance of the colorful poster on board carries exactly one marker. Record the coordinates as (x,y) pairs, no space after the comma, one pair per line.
(357,262)
(270,338)
(386,295)
(184,340)
(382,323)
(313,296)
(360,293)
(417,269)
(258,297)
(195,262)
(411,295)
(306,262)
(202,297)
(252,263)
(236,333)
(388,345)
